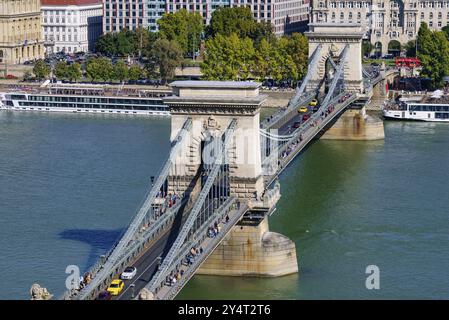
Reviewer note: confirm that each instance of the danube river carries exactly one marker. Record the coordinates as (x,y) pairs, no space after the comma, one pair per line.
(70,183)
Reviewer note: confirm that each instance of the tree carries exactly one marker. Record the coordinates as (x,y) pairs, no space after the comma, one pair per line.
(228,58)
(120,71)
(125,40)
(288,70)
(99,68)
(266,64)
(164,57)
(433,52)
(74,72)
(134,72)
(238,20)
(183,27)
(105,68)
(106,44)
(446,31)
(226,21)
(60,71)
(92,69)
(41,70)
(367,47)
(298,49)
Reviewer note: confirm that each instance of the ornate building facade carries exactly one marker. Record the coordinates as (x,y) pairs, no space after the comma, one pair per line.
(20,31)
(386,22)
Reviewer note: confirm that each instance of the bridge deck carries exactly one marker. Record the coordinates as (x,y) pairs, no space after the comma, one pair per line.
(170,290)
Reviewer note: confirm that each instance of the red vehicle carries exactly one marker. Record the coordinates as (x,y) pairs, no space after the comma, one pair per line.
(305,117)
(407,62)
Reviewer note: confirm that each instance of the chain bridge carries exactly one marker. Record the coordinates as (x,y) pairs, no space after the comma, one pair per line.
(207,211)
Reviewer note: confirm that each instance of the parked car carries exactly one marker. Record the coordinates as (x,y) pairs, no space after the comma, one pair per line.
(116,287)
(128,273)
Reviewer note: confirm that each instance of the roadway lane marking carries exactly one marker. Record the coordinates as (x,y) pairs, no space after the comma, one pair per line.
(137,278)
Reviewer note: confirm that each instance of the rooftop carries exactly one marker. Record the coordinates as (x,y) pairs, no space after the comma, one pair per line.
(216,84)
(69,2)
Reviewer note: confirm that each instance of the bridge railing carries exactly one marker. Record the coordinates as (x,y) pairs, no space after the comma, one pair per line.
(217,165)
(145,215)
(235,213)
(303,135)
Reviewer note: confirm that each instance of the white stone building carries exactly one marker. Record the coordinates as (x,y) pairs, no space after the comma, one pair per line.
(385,22)
(72,25)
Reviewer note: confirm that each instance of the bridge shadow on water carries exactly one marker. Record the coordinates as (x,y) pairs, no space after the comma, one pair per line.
(100,241)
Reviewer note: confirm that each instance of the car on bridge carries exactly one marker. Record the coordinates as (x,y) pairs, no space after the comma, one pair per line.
(313,103)
(116,287)
(305,117)
(297,124)
(303,110)
(128,273)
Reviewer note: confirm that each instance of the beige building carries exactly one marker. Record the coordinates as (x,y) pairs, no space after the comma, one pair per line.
(385,22)
(20,31)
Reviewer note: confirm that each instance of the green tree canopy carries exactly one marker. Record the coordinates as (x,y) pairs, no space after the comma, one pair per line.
(134,72)
(298,49)
(60,71)
(238,20)
(74,72)
(163,58)
(183,27)
(367,47)
(410,48)
(41,70)
(120,71)
(433,51)
(99,68)
(228,58)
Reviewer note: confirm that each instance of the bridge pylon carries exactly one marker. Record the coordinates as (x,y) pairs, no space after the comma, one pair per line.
(212,106)
(333,38)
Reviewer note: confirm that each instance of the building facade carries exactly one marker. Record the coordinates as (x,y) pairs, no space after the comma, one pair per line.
(20,31)
(72,25)
(287,16)
(386,22)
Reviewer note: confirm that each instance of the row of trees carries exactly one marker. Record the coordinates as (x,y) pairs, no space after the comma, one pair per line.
(235,58)
(183,27)
(237,47)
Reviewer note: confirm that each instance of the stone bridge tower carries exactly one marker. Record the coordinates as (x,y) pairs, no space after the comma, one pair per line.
(250,248)
(333,38)
(212,106)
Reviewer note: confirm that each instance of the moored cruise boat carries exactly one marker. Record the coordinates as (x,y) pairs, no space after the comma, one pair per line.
(86,99)
(434,108)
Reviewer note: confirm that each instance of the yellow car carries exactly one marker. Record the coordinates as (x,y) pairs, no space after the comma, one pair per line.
(303,109)
(116,287)
(313,103)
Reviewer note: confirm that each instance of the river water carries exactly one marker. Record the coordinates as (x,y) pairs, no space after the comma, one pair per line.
(70,183)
